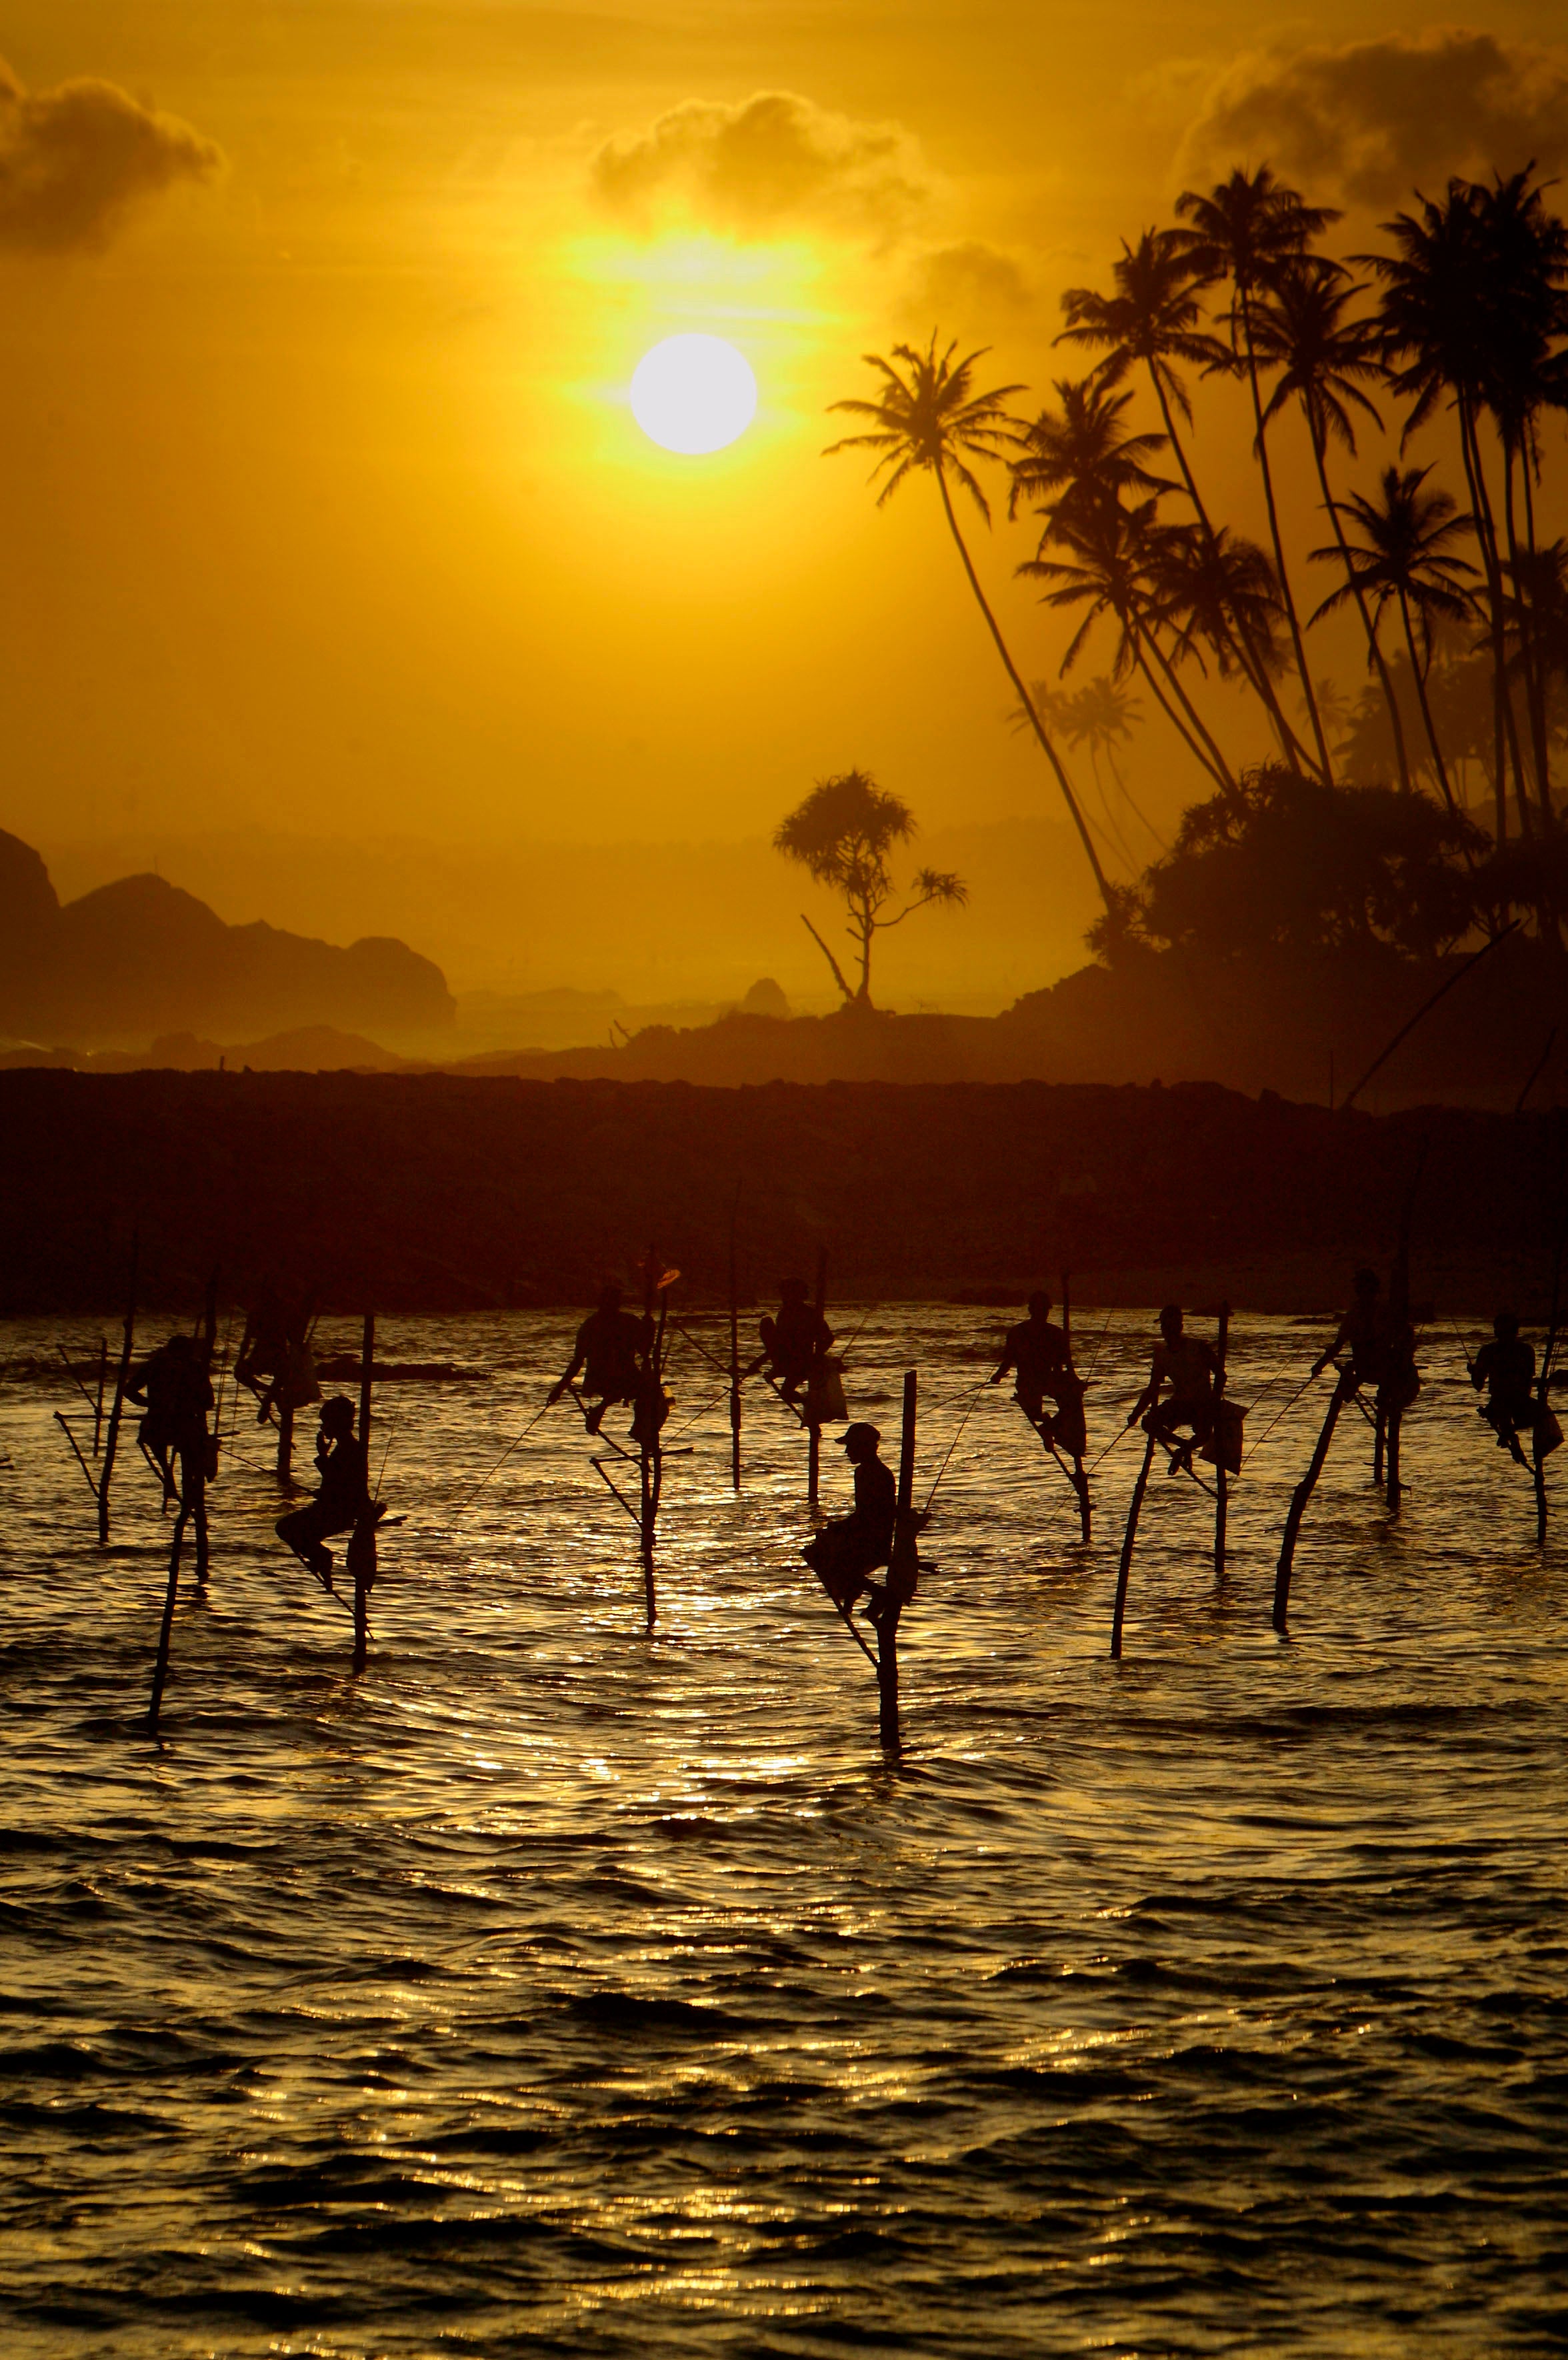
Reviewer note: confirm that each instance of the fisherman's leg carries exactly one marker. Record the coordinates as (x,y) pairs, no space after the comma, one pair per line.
(304,1531)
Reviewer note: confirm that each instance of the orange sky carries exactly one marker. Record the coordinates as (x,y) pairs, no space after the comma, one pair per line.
(325,511)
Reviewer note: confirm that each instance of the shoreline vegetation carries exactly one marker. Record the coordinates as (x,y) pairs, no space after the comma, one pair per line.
(441,1195)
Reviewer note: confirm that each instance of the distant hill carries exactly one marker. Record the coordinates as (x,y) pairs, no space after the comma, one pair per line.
(141,957)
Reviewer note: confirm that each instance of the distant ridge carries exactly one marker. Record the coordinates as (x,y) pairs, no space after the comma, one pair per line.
(141,957)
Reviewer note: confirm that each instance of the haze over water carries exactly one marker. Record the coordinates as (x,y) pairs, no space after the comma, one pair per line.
(552,1988)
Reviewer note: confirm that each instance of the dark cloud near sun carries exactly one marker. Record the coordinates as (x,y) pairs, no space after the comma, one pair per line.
(768,163)
(75,161)
(1369,120)
(971,282)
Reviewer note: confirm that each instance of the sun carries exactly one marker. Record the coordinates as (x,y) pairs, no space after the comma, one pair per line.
(694,394)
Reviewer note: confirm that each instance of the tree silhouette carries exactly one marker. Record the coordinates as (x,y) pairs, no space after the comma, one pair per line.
(1154,318)
(928,420)
(1326,357)
(1248,230)
(842,834)
(1404,553)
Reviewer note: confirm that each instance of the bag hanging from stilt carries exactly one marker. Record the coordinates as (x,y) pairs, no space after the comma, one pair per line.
(1547,1434)
(1226,1447)
(825,1403)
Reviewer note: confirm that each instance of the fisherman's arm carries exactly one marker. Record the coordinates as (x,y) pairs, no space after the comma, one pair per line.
(1332,1351)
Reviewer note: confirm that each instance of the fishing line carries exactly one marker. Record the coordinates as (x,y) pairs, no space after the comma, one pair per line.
(464,1505)
(975,1392)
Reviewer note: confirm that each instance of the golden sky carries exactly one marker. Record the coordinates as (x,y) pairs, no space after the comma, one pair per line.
(325,511)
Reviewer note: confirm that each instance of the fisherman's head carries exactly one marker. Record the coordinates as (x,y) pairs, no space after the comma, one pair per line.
(1170,1322)
(1039,1303)
(792,1290)
(179,1348)
(1505,1326)
(1367,1283)
(861,1442)
(337,1416)
(609,1296)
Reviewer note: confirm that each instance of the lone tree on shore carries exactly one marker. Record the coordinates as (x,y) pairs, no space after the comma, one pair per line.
(844,833)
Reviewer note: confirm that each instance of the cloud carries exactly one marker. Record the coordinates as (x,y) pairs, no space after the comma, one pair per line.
(967,285)
(765,164)
(1369,120)
(74,160)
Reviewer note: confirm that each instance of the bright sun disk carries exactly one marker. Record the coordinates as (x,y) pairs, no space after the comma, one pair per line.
(694,394)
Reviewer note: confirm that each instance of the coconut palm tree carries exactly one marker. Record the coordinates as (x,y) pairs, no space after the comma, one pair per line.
(1107,569)
(1247,231)
(1205,589)
(1405,555)
(1437,316)
(1099,716)
(842,834)
(1326,356)
(1153,320)
(1083,451)
(929,420)
(1528,250)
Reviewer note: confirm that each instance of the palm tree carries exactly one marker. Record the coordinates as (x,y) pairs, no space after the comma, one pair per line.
(842,834)
(1248,230)
(1406,555)
(929,420)
(1154,319)
(1107,569)
(1212,591)
(1099,716)
(1528,250)
(1436,314)
(1083,451)
(1303,326)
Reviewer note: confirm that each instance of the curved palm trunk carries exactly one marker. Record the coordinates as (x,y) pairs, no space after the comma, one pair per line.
(1530,460)
(1291,616)
(1368,625)
(1173,716)
(1046,748)
(1420,677)
(1217,763)
(1251,661)
(1505,731)
(1534,696)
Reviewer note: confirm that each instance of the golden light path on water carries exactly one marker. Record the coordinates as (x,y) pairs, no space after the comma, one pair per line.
(556,1988)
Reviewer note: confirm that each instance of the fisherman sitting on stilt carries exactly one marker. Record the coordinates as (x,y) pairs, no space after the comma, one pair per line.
(1505,1368)
(177,1394)
(343,1499)
(1039,1350)
(847,1551)
(612,1355)
(1381,1343)
(1187,1366)
(794,1342)
(275,1361)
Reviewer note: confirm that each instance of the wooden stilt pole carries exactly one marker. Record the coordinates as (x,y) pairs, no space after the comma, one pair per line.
(102,1387)
(1394,1492)
(362,1541)
(735,1349)
(1222,1477)
(903,1570)
(285,1440)
(1300,1497)
(1379,1445)
(1542,1404)
(116,1406)
(1080,1474)
(650,1463)
(813,1431)
(160,1669)
(1130,1541)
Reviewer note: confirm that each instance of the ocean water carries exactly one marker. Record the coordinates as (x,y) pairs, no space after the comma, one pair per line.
(553,1987)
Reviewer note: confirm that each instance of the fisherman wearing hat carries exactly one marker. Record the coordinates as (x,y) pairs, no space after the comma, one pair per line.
(850,1549)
